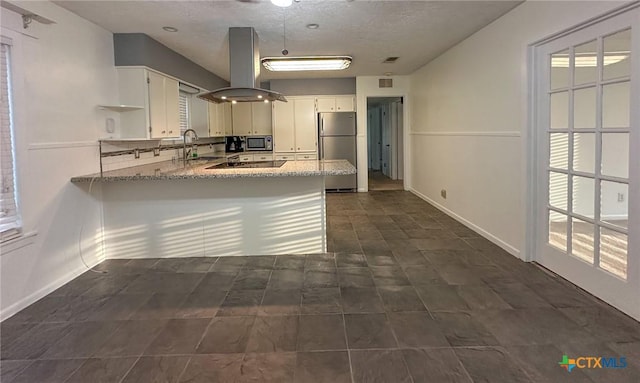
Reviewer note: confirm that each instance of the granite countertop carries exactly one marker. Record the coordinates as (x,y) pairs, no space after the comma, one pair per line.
(196,169)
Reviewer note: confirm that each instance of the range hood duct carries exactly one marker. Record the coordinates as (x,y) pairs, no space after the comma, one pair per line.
(244,67)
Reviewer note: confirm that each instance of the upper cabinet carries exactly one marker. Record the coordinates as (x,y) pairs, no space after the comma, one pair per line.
(294,125)
(158,95)
(251,119)
(335,104)
(305,123)
(261,113)
(199,116)
(284,126)
(220,119)
(242,119)
(346,104)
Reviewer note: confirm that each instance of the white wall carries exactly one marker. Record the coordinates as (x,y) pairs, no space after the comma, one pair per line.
(469,119)
(61,73)
(367,86)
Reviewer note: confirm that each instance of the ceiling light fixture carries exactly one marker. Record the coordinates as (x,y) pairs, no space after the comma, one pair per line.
(282,3)
(585,61)
(170,29)
(306,63)
(313,26)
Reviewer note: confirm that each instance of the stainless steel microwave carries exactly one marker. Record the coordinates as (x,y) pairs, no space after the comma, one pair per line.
(259,143)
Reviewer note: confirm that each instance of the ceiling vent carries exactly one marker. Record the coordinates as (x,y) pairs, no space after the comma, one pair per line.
(385,83)
(390,60)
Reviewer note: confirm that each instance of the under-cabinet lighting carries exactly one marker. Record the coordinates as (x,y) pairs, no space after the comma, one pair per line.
(306,63)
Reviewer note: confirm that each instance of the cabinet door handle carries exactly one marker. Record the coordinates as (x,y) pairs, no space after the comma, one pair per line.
(164,131)
(298,148)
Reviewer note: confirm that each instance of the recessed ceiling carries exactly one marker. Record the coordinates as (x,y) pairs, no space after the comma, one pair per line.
(369,31)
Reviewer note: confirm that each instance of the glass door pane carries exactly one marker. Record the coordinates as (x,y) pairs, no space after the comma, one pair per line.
(617,52)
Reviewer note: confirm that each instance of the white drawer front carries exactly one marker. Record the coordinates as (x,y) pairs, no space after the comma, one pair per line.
(285,157)
(246,158)
(263,157)
(306,156)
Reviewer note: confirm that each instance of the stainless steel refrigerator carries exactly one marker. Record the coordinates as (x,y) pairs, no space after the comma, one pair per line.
(337,132)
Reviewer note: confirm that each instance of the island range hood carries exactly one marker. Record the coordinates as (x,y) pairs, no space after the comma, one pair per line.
(244,68)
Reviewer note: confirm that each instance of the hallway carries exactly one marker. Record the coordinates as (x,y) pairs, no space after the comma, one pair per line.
(380,182)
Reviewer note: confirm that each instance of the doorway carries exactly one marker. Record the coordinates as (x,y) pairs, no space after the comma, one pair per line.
(385,143)
(587,215)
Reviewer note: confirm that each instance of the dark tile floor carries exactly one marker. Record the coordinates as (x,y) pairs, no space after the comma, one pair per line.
(406,294)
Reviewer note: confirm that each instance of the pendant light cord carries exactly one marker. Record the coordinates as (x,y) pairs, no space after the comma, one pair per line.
(284,33)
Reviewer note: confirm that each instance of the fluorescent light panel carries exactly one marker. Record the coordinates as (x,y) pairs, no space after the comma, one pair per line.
(587,61)
(282,3)
(306,63)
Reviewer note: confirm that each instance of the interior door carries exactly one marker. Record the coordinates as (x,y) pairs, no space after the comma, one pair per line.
(588,159)
(386,141)
(373,136)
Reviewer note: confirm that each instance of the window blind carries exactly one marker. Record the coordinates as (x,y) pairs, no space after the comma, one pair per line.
(184,111)
(9,217)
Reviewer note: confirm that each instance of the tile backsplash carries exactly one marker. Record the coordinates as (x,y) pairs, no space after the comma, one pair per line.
(121,154)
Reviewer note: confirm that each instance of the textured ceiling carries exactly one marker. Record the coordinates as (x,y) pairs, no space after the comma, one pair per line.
(370,31)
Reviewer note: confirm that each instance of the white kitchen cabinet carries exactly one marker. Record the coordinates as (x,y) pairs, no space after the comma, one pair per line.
(306,156)
(251,119)
(242,119)
(261,119)
(220,120)
(335,104)
(284,156)
(325,104)
(294,126)
(158,95)
(263,157)
(284,126)
(255,157)
(199,116)
(345,104)
(306,134)
(164,112)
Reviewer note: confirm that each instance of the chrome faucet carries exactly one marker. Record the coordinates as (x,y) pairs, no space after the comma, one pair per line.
(186,154)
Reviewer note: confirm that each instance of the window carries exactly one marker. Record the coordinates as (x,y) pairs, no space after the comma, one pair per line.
(9,213)
(184,111)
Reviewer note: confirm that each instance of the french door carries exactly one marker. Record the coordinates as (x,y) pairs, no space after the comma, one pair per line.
(588,153)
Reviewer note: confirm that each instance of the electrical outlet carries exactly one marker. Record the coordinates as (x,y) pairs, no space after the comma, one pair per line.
(443,193)
(620,197)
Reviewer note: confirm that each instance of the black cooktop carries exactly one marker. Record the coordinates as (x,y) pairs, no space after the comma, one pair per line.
(254,164)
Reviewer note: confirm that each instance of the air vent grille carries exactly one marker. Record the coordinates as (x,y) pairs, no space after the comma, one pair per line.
(390,60)
(385,83)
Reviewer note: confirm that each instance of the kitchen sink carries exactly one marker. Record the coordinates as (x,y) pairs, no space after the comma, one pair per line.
(252,164)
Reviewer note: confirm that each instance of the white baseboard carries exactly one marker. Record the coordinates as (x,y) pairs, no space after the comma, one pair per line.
(51,287)
(497,241)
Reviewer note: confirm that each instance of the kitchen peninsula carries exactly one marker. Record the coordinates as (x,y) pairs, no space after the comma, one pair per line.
(169,209)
